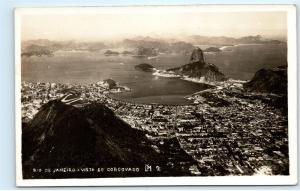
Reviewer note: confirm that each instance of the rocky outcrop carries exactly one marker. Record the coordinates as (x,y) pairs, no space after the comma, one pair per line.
(111,84)
(63,136)
(144,67)
(197,56)
(198,68)
(269,81)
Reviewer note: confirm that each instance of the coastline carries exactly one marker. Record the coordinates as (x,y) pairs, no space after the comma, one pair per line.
(166,74)
(99,92)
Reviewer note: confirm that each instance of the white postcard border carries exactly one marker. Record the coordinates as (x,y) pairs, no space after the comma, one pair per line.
(221,180)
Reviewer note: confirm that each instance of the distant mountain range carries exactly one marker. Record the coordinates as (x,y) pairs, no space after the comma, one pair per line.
(46,47)
(222,40)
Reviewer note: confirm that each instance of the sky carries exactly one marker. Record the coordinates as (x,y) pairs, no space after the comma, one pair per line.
(179,23)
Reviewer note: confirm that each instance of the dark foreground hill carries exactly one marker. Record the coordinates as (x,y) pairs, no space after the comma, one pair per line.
(62,136)
(197,68)
(269,81)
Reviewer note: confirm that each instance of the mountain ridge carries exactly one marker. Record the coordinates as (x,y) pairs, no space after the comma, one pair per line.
(64,136)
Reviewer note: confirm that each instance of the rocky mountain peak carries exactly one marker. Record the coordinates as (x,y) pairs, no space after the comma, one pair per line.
(197,56)
(198,68)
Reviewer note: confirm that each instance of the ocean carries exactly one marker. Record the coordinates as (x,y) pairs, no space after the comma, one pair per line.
(238,62)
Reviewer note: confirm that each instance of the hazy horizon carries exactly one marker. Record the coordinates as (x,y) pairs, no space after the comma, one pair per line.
(156,24)
(275,37)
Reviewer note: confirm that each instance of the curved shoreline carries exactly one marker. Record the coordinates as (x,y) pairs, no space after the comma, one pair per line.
(136,101)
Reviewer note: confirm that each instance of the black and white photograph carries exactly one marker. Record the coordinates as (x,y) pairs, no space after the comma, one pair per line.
(195,94)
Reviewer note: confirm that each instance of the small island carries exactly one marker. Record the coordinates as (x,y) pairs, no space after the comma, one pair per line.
(144,67)
(212,49)
(111,53)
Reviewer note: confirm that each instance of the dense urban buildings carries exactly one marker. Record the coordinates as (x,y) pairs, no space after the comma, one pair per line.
(226,130)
